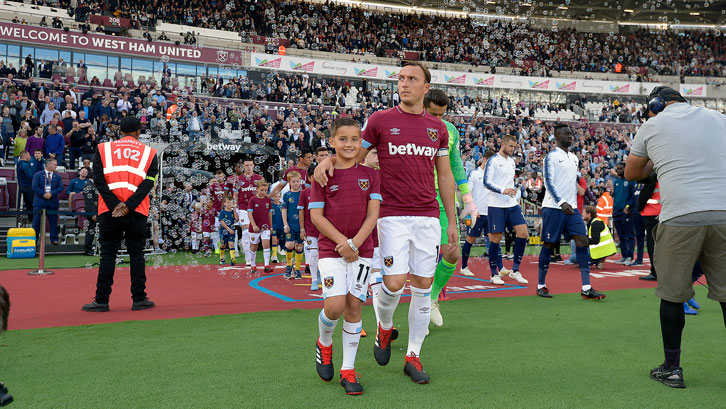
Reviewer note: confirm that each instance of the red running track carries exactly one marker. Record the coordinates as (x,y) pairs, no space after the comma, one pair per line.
(192,291)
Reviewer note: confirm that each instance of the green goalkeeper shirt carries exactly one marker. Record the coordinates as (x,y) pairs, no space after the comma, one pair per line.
(457,165)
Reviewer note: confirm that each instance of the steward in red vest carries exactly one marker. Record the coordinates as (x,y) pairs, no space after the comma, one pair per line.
(124,172)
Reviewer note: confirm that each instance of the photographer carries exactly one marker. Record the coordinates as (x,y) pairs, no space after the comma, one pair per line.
(686,146)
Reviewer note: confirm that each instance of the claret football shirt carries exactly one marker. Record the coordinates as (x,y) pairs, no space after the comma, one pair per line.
(408,145)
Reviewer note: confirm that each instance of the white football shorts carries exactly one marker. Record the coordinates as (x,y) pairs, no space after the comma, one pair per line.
(261,235)
(341,278)
(409,244)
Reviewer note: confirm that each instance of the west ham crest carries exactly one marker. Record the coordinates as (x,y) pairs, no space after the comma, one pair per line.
(433,134)
(388,261)
(364,184)
(222,56)
(328,281)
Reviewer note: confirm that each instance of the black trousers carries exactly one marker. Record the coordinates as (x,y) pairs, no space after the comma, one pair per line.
(90,235)
(112,230)
(650,222)
(27,192)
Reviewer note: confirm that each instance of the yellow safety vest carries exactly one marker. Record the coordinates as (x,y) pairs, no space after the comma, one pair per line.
(606,246)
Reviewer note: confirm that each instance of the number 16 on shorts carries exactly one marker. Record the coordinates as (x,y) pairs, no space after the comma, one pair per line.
(340,277)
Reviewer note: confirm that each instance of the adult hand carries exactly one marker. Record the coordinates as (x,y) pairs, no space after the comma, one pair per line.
(47,196)
(120,210)
(452,233)
(324,168)
(256,229)
(303,235)
(567,208)
(511,192)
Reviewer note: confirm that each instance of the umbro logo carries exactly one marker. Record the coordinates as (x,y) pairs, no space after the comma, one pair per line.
(395,131)
(424,309)
(334,188)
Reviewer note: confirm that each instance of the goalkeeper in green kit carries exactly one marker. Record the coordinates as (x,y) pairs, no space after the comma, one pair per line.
(435,103)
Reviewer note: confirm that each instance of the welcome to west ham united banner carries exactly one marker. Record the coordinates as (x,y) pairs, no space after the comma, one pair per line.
(119,45)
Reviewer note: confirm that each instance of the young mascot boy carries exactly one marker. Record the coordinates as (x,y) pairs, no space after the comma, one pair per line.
(259,209)
(227,218)
(291,219)
(345,212)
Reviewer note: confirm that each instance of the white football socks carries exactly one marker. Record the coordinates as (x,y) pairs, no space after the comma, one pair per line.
(351,339)
(326,327)
(375,288)
(266,256)
(419,316)
(313,263)
(387,303)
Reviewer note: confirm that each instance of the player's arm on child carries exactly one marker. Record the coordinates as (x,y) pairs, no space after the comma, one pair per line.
(327,167)
(448,195)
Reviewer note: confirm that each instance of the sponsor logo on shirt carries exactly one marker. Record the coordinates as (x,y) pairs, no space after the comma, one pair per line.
(411,149)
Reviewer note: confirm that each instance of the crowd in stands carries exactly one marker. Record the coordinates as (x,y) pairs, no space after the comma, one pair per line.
(346,29)
(59,120)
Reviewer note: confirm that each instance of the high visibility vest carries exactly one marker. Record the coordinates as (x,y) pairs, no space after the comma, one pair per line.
(653,206)
(125,164)
(170,111)
(606,247)
(605,207)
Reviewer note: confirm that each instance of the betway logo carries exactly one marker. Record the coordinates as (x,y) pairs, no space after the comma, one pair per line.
(224,147)
(411,149)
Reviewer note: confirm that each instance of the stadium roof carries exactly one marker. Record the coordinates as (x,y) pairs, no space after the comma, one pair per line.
(691,12)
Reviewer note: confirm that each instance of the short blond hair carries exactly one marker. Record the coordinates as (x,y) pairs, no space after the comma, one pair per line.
(292,175)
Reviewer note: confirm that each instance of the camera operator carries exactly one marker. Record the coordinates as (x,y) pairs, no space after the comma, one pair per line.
(686,146)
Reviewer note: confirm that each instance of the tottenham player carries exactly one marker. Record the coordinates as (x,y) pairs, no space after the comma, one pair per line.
(345,212)
(435,103)
(410,144)
(558,215)
(481,195)
(504,211)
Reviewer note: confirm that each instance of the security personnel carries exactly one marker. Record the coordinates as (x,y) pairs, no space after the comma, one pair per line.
(124,173)
(605,207)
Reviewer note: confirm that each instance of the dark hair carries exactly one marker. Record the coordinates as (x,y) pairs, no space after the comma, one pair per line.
(322,149)
(489,153)
(437,96)
(560,126)
(427,73)
(341,122)
(304,151)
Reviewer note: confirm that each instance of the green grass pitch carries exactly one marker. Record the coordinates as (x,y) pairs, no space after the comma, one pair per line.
(519,352)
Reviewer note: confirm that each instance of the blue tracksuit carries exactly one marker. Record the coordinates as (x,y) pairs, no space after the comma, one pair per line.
(624,195)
